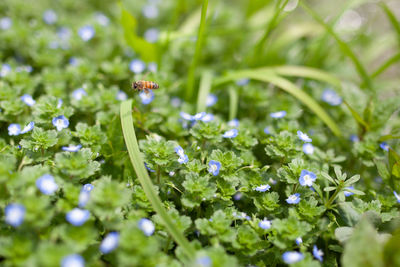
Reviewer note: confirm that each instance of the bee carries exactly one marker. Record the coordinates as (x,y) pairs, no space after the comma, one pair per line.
(144,85)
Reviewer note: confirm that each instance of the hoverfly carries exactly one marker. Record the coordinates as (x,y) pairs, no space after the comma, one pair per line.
(144,85)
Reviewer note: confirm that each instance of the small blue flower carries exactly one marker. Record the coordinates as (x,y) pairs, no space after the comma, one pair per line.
(146,97)
(267,130)
(79,93)
(46,184)
(109,243)
(28,127)
(150,11)
(102,19)
(299,240)
(242,82)
(293,199)
(14,214)
(137,66)
(233,123)
(304,137)
(307,178)
(384,146)
(60,122)
(211,100)
(49,16)
(186,116)
(64,33)
(72,148)
(183,158)
(396,196)
(151,35)
(5,23)
(77,217)
(199,116)
(354,138)
(264,224)
(230,133)
(278,114)
(59,103)
(73,260)
(348,193)
(207,117)
(213,167)
(317,253)
(14,129)
(86,33)
(290,257)
(148,168)
(73,61)
(237,196)
(262,188)
(308,148)
(5,70)
(84,195)
(146,226)
(204,261)
(121,96)
(27,99)
(152,67)
(331,97)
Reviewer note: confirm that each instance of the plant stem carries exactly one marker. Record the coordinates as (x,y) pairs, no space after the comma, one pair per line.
(196,56)
(333,197)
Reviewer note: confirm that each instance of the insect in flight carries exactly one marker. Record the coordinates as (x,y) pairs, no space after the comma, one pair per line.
(144,85)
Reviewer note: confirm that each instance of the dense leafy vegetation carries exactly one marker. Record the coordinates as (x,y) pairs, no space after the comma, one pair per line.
(272,139)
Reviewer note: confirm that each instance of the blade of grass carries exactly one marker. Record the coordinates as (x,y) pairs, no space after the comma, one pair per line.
(204,90)
(342,45)
(284,84)
(357,116)
(392,18)
(144,179)
(270,26)
(306,72)
(233,103)
(197,52)
(386,65)
(388,137)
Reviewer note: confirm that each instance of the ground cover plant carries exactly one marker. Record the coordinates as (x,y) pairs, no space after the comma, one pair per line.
(272,140)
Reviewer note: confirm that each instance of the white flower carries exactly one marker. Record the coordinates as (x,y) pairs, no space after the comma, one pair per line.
(27,99)
(146,226)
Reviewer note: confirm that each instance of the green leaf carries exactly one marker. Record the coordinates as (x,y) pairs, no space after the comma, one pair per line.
(352,180)
(357,253)
(146,50)
(388,137)
(394,163)
(343,234)
(329,188)
(328,177)
(144,179)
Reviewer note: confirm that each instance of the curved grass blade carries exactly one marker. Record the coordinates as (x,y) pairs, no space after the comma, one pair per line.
(342,45)
(205,86)
(357,116)
(392,18)
(284,84)
(306,72)
(197,52)
(386,65)
(144,179)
